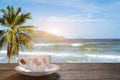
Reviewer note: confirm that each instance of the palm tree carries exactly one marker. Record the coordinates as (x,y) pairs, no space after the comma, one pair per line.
(17,36)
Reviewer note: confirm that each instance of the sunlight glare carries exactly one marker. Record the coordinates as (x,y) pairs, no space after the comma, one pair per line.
(55,31)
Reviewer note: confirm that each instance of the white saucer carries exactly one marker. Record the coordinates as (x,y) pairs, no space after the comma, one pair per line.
(51,69)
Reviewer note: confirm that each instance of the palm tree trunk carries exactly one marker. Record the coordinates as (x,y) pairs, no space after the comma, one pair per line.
(9,49)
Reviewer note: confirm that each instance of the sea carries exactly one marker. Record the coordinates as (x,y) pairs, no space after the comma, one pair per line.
(73,51)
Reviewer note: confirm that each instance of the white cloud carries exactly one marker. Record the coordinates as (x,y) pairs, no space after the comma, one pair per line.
(65,24)
(70,19)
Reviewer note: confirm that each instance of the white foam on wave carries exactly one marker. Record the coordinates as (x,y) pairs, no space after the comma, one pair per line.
(75,55)
(50,44)
(51,53)
(1,58)
(104,56)
(59,44)
(37,45)
(3,51)
(76,44)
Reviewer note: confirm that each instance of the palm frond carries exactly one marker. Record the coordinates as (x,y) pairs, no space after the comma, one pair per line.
(27,16)
(12,12)
(3,12)
(12,18)
(6,19)
(4,22)
(8,35)
(27,29)
(2,43)
(17,12)
(20,19)
(2,39)
(2,32)
(26,40)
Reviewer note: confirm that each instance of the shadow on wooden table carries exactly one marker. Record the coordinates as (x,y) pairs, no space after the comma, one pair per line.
(18,76)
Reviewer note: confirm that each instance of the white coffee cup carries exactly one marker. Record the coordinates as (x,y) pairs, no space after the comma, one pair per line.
(35,63)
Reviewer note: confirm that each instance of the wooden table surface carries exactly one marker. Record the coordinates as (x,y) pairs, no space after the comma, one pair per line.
(68,71)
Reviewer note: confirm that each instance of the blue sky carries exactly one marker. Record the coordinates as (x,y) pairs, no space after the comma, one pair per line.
(72,18)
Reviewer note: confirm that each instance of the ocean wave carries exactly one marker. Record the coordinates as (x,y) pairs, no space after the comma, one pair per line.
(76,55)
(71,57)
(59,44)
(104,56)
(95,49)
(50,53)
(65,54)
(2,58)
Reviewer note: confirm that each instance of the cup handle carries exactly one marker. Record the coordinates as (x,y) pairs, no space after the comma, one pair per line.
(22,62)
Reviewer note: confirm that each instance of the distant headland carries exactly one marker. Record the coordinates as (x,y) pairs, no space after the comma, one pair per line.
(48,37)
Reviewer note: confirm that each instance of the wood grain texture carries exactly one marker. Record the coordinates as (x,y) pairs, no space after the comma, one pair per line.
(68,71)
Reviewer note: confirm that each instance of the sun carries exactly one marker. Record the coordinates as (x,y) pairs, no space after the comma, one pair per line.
(54,31)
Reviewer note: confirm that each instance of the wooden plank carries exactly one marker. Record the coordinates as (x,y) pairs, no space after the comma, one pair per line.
(68,71)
